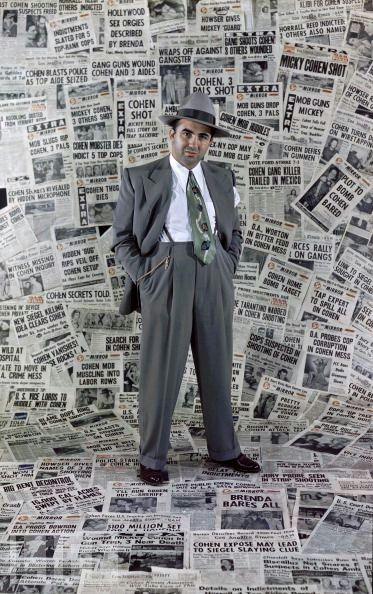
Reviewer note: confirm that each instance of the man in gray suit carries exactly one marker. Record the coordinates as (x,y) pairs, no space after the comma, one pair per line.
(176,232)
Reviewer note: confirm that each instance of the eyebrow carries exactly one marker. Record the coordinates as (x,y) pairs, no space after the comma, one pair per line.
(200,133)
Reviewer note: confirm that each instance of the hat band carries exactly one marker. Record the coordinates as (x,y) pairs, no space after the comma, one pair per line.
(197,114)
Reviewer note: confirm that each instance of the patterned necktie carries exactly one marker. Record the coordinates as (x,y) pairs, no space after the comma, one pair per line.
(203,239)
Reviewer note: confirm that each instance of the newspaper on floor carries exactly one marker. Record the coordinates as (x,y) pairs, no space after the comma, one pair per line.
(26,524)
(237,551)
(339,411)
(277,400)
(252,509)
(326,570)
(136,498)
(11,472)
(25,490)
(38,400)
(358,454)
(213,471)
(75,500)
(325,438)
(346,526)
(326,359)
(114,467)
(359,391)
(81,468)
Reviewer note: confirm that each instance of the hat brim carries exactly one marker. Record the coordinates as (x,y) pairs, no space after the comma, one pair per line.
(217,132)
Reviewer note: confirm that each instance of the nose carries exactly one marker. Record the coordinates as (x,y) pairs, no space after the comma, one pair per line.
(193,141)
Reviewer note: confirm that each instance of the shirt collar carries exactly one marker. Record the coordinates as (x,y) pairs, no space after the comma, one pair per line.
(182,172)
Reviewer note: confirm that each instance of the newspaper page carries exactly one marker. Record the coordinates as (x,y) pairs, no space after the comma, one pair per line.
(252,509)
(24,375)
(260,102)
(325,438)
(81,468)
(34,270)
(137,105)
(219,16)
(277,400)
(270,183)
(287,279)
(333,195)
(136,498)
(24,31)
(16,114)
(24,491)
(75,500)
(328,301)
(346,526)
(101,371)
(16,232)
(71,34)
(214,74)
(44,206)
(267,236)
(47,322)
(138,154)
(49,151)
(260,312)
(315,251)
(358,95)
(312,77)
(125,28)
(258,59)
(339,411)
(40,399)
(237,551)
(355,270)
(78,256)
(357,454)
(325,362)
(90,110)
(324,569)
(97,159)
(12,472)
(307,152)
(326,26)
(350,136)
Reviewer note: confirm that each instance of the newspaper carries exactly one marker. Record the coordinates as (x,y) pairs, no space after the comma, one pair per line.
(16,114)
(16,232)
(328,301)
(287,279)
(325,438)
(125,28)
(136,498)
(146,152)
(212,550)
(137,107)
(24,31)
(358,454)
(355,270)
(325,362)
(257,51)
(78,256)
(336,191)
(252,509)
(72,34)
(358,95)
(76,500)
(219,16)
(24,491)
(90,110)
(34,270)
(38,399)
(363,314)
(326,27)
(272,185)
(277,400)
(49,151)
(267,236)
(213,74)
(347,525)
(259,312)
(312,77)
(114,467)
(81,468)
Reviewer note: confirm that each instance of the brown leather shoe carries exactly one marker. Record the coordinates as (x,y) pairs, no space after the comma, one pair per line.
(153,477)
(242,464)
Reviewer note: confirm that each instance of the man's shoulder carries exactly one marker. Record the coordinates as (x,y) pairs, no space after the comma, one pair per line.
(147,168)
(219,170)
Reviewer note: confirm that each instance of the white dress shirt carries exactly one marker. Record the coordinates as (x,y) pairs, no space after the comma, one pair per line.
(177,219)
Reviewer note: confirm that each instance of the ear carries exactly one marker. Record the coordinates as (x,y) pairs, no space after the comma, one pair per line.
(171,133)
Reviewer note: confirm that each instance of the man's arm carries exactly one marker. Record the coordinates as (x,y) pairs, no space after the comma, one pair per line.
(124,242)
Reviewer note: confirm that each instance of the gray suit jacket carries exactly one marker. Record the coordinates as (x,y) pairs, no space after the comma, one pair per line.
(140,215)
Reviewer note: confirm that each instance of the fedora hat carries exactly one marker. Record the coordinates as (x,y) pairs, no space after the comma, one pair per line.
(197,107)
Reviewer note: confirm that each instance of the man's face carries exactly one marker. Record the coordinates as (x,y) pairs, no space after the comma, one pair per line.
(189,142)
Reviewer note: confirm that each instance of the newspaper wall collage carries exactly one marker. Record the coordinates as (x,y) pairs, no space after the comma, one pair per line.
(82,83)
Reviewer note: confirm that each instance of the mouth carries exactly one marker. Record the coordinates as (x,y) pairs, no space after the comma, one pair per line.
(190,153)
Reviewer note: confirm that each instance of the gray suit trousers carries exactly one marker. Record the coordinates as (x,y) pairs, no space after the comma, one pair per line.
(184,302)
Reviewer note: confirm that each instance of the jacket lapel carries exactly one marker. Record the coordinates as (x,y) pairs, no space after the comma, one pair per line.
(219,191)
(158,185)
